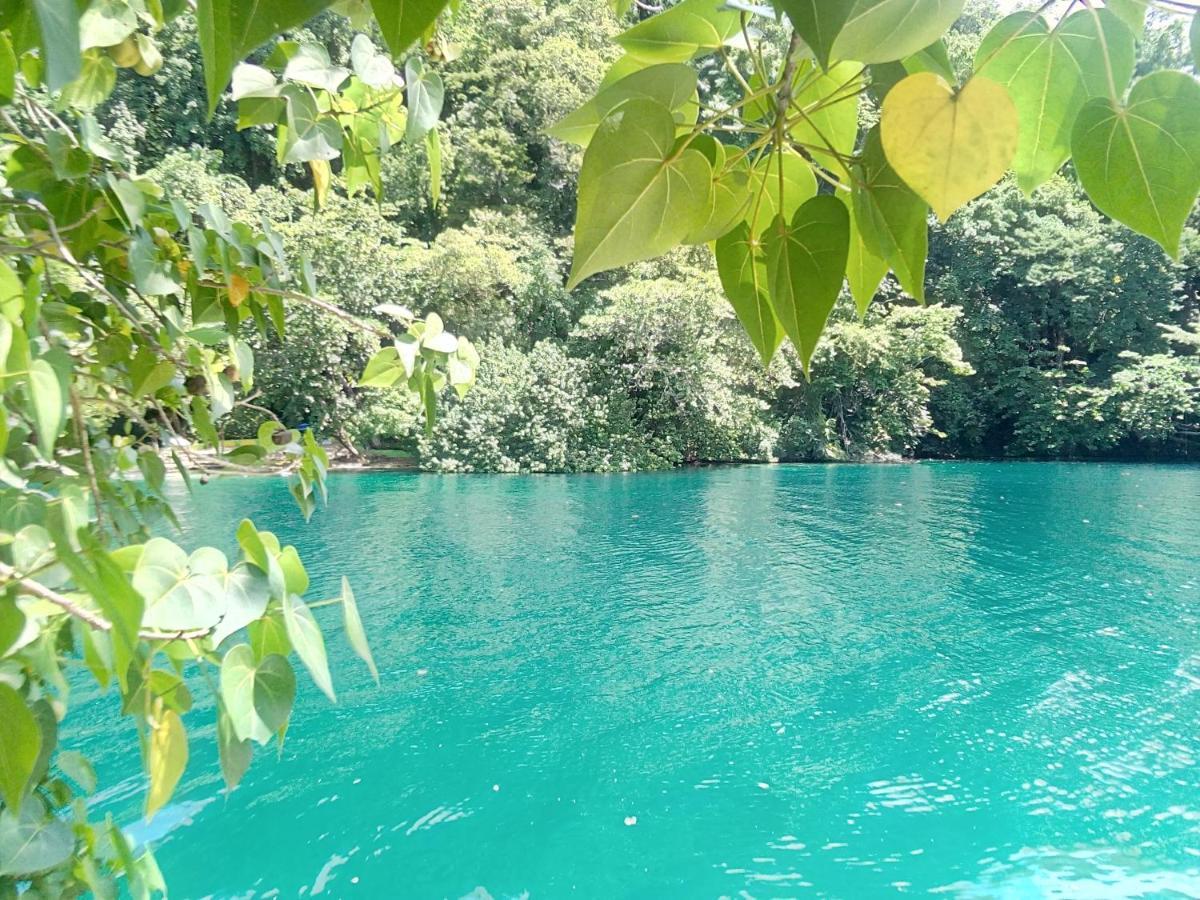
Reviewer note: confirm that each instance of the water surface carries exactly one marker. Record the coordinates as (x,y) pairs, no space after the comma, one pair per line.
(976,679)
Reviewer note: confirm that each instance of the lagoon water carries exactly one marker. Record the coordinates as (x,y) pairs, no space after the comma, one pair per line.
(981,680)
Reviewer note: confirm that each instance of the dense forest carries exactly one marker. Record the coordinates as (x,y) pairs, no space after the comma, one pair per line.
(1048,330)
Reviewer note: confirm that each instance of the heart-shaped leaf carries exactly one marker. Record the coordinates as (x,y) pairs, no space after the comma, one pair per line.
(671,84)
(890,218)
(305,635)
(742,266)
(181,592)
(681,32)
(948,147)
(425,96)
(773,199)
(881,30)
(806,260)
(1050,74)
(864,269)
(33,840)
(1140,162)
(639,194)
(729,197)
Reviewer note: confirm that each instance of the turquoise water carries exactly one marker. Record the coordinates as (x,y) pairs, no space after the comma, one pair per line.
(978,679)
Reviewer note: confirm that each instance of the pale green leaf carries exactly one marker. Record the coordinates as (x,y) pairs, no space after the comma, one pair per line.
(639,194)
(354,629)
(305,635)
(1140,162)
(1050,74)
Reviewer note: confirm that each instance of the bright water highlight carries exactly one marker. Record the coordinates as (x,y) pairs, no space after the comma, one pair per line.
(981,680)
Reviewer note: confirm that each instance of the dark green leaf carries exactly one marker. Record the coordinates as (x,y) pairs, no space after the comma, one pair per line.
(742,267)
(403,21)
(806,261)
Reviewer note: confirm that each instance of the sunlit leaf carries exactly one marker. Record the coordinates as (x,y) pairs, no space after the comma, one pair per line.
(806,261)
(742,266)
(1050,74)
(681,32)
(891,219)
(948,147)
(638,194)
(354,629)
(671,84)
(166,759)
(20,742)
(1140,161)
(305,635)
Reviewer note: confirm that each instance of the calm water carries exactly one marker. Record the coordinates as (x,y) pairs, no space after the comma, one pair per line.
(975,679)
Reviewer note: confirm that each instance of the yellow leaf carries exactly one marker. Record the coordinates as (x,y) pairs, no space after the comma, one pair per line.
(321,174)
(167,757)
(948,147)
(239,289)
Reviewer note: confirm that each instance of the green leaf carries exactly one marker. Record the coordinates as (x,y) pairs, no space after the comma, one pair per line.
(229,29)
(20,743)
(305,635)
(1050,74)
(949,146)
(310,133)
(8,68)
(403,21)
(166,759)
(881,30)
(729,195)
(274,692)
(742,267)
(47,405)
(770,199)
(1140,162)
(383,369)
(294,577)
(238,670)
(373,68)
(12,625)
(806,260)
(33,841)
(234,753)
(247,593)
(425,95)
(638,195)
(96,80)
(830,102)
(671,84)
(105,23)
(681,32)
(77,767)
(268,635)
(1131,12)
(310,65)
(864,269)
(354,629)
(181,592)
(891,218)
(433,150)
(58,26)
(817,21)
(148,374)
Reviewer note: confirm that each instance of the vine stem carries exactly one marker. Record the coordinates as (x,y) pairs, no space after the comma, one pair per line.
(32,588)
